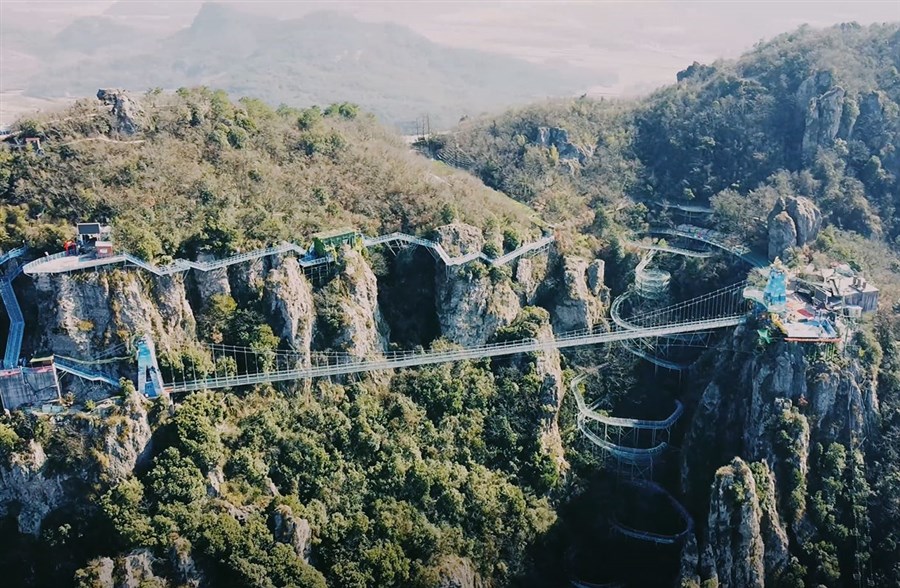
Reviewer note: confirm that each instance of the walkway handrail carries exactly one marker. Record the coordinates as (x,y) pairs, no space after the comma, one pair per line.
(181,265)
(16,324)
(658,538)
(12,254)
(713,238)
(350,365)
(641,424)
(669,249)
(16,320)
(83,373)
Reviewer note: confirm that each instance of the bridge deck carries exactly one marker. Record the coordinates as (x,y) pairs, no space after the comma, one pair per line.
(391,361)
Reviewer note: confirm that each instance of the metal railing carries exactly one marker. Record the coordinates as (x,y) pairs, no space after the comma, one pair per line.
(714,238)
(82,372)
(16,320)
(642,424)
(42,265)
(346,364)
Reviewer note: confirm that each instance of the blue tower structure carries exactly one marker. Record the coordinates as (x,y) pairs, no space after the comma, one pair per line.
(775,294)
(150,382)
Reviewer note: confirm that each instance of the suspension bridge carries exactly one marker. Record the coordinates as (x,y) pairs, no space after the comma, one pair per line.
(708,312)
(223,366)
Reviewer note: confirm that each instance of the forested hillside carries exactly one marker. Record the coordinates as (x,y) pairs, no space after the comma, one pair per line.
(199,173)
(811,116)
(820,102)
(473,474)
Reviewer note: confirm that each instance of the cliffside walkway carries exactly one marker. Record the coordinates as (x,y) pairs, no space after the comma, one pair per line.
(670,249)
(716,239)
(79,370)
(62,263)
(614,426)
(651,536)
(635,457)
(16,320)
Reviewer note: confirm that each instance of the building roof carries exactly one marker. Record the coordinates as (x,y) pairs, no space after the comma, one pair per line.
(845,286)
(91,229)
(332,233)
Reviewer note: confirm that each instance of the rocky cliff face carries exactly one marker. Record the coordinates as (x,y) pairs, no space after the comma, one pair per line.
(559,138)
(823,105)
(126,441)
(734,528)
(26,487)
(547,366)
(84,315)
(292,530)
(769,407)
(793,222)
(471,303)
(580,303)
(134,570)
(125,110)
(289,299)
(211,283)
(356,323)
(457,572)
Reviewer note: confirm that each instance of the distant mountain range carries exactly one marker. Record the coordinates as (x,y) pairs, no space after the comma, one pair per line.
(320,58)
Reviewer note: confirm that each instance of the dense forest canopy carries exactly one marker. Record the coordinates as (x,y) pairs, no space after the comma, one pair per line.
(440,472)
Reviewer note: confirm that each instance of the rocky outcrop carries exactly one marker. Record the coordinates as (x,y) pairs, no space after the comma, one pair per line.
(183,565)
(773,533)
(24,486)
(807,218)
(247,280)
(472,306)
(529,275)
(548,369)
(357,325)
(782,234)
(559,138)
(85,315)
(823,105)
(793,222)
(579,304)
(289,299)
(472,303)
(292,530)
(126,111)
(733,528)
(596,274)
(126,441)
(770,407)
(459,239)
(457,572)
(211,283)
(135,570)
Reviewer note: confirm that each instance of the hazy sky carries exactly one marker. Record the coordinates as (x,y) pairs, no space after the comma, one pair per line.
(642,43)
